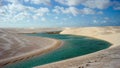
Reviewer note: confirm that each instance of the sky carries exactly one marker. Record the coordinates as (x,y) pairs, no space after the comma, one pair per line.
(59,13)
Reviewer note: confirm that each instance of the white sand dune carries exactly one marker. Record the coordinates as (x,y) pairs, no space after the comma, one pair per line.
(107,58)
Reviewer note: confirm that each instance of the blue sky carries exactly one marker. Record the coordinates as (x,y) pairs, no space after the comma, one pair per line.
(59,13)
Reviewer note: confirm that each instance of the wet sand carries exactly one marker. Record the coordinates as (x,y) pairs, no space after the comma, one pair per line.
(107,58)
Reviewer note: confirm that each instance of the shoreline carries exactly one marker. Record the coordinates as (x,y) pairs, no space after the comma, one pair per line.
(101,59)
(30,54)
(50,45)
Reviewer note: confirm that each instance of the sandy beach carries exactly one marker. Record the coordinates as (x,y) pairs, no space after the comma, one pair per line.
(107,58)
(14,47)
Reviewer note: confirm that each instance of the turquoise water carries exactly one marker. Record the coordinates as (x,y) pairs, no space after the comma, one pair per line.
(74,46)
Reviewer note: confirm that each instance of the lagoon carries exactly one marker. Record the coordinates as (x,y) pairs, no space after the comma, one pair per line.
(73,46)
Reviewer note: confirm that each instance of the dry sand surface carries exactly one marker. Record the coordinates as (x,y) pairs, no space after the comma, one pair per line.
(14,47)
(107,58)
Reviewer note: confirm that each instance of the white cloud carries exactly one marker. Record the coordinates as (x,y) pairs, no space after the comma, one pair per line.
(99,12)
(26,0)
(15,8)
(116,5)
(43,19)
(41,11)
(72,10)
(35,17)
(17,12)
(70,2)
(45,2)
(100,4)
(14,1)
(58,9)
(22,16)
(87,11)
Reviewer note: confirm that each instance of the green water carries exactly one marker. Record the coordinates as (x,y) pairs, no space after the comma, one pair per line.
(74,46)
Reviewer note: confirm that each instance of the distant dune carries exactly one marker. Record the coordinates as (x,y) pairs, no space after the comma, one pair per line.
(31,30)
(15,47)
(107,58)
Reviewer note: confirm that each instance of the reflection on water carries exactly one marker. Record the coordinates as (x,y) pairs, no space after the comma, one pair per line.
(74,46)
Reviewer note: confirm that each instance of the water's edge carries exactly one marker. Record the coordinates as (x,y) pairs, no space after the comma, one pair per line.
(74,46)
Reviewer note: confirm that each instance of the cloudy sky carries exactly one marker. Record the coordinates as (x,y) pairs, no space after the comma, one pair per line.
(59,13)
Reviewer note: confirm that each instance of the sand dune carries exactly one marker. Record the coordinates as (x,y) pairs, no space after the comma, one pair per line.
(31,30)
(107,58)
(14,47)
